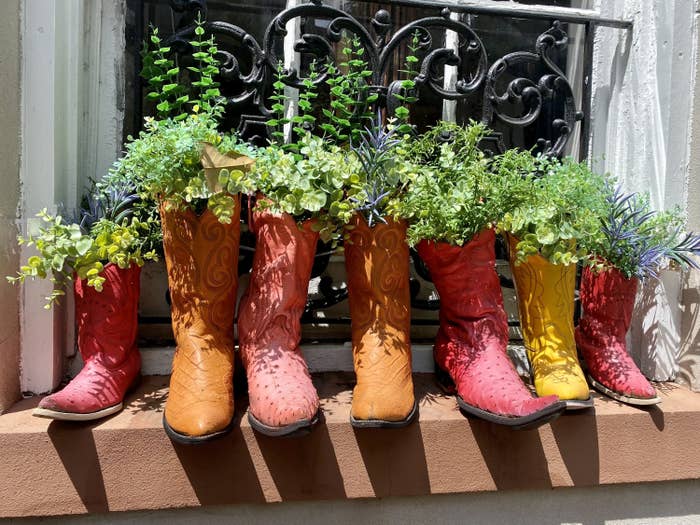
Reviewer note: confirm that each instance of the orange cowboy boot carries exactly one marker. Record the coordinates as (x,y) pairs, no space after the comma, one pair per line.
(377,262)
(201,254)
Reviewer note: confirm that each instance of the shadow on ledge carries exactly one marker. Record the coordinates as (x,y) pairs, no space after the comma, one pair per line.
(75,446)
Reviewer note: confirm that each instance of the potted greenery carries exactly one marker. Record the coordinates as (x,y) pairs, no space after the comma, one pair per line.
(195,175)
(555,217)
(377,266)
(637,244)
(302,196)
(452,205)
(102,254)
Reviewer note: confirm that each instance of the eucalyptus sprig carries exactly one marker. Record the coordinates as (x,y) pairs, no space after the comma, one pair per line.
(315,183)
(110,232)
(174,97)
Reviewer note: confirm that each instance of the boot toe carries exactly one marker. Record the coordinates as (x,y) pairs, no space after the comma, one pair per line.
(200,419)
(377,404)
(283,397)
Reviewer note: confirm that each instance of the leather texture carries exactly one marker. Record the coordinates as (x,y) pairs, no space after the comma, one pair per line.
(473,335)
(377,263)
(107,323)
(280,390)
(546,306)
(201,255)
(607,301)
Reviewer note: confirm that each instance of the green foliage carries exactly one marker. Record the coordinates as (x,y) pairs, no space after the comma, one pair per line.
(639,241)
(382,174)
(407,95)
(348,111)
(64,249)
(173,96)
(557,209)
(310,184)
(454,195)
(164,164)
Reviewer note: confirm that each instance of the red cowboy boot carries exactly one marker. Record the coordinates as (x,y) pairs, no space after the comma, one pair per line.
(107,324)
(282,398)
(472,339)
(607,301)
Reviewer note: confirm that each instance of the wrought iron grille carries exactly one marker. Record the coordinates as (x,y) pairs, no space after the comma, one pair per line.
(468,69)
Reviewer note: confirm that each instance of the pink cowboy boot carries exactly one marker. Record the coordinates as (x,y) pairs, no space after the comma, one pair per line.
(107,324)
(282,398)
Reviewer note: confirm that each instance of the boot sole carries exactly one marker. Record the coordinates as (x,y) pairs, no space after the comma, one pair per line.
(184,439)
(74,416)
(296,429)
(635,401)
(534,420)
(384,423)
(91,416)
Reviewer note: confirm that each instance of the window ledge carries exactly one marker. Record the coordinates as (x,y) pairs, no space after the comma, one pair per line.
(128,463)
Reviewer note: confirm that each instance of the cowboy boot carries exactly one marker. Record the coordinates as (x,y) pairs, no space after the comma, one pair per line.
(376,261)
(546,306)
(470,347)
(201,255)
(107,324)
(607,301)
(282,398)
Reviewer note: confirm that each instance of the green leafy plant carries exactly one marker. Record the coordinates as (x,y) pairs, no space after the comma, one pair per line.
(557,209)
(407,95)
(112,230)
(165,164)
(454,195)
(174,96)
(639,241)
(313,183)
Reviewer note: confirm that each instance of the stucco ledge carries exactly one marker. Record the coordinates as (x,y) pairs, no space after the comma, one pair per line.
(128,463)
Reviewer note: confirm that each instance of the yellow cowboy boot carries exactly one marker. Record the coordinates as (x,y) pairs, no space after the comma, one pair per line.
(546,305)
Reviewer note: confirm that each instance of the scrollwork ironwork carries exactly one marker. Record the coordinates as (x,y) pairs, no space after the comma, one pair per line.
(517,90)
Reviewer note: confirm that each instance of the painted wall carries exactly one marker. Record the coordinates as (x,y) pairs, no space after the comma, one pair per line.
(642,97)
(10,121)
(673,503)
(644,90)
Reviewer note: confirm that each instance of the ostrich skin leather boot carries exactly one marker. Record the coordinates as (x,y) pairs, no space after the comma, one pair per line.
(107,322)
(201,254)
(377,262)
(470,347)
(282,398)
(607,301)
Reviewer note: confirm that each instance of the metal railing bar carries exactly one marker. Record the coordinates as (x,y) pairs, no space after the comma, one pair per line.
(489,7)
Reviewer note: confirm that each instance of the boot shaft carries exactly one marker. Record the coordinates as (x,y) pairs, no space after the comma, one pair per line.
(465,278)
(201,256)
(545,293)
(271,308)
(377,266)
(608,297)
(107,321)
